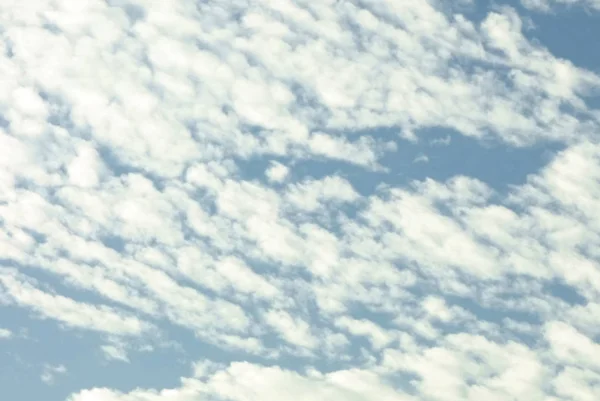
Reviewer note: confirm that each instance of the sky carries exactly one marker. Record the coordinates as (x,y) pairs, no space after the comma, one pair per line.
(277,200)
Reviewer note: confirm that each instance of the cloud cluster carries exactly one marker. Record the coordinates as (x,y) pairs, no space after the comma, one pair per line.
(131,201)
(244,381)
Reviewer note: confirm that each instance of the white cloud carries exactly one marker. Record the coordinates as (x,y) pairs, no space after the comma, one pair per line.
(115,352)
(50,372)
(86,169)
(292,330)
(437,308)
(245,381)
(5,334)
(442,141)
(277,172)
(360,152)
(577,384)
(378,336)
(310,195)
(470,367)
(245,280)
(422,158)
(68,311)
(571,346)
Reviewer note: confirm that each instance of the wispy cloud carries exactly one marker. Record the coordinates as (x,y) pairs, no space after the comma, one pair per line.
(50,373)
(422,158)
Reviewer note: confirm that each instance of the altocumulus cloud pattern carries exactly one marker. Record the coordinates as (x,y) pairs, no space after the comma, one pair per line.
(277,200)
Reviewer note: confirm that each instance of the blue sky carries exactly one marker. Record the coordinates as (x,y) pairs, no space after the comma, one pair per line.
(284,200)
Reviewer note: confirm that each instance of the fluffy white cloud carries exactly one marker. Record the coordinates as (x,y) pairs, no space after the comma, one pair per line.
(312,194)
(277,172)
(87,168)
(293,330)
(244,381)
(376,335)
